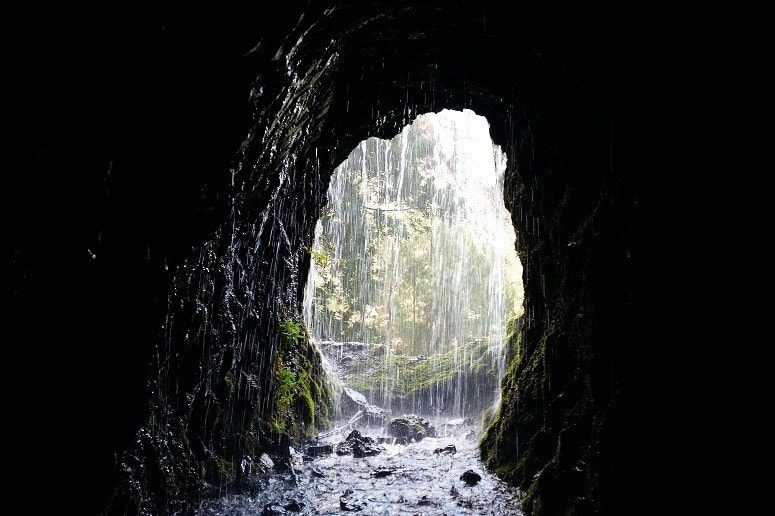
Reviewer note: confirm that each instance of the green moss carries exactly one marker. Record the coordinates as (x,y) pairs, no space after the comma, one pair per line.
(287,382)
(488,416)
(302,398)
(411,377)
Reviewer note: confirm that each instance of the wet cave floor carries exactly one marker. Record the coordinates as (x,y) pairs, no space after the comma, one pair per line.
(413,479)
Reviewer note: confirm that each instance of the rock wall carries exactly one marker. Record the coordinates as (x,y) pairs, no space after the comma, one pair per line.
(166,217)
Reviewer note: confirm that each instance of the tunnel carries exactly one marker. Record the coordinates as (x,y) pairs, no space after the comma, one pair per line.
(169,169)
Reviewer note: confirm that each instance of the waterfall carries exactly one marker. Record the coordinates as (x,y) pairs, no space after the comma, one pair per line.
(414,272)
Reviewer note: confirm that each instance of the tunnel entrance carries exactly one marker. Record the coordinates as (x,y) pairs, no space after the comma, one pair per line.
(414,274)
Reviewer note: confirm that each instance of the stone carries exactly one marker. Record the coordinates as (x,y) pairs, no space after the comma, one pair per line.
(294,506)
(353,401)
(348,503)
(359,445)
(382,472)
(410,428)
(450,448)
(320,450)
(355,434)
(425,501)
(365,449)
(344,448)
(471,477)
(265,461)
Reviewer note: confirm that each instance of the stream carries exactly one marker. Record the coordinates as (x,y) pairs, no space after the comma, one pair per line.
(416,478)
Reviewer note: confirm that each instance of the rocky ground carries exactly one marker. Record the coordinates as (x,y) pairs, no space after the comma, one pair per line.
(364,469)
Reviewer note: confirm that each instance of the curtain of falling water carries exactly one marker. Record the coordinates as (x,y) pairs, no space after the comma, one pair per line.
(414,268)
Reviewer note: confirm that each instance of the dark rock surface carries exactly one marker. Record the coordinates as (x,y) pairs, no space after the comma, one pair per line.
(358,445)
(471,477)
(294,506)
(319,450)
(410,428)
(167,169)
(382,472)
(349,503)
(450,448)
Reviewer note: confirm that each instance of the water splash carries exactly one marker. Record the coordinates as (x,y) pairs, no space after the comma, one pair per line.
(415,273)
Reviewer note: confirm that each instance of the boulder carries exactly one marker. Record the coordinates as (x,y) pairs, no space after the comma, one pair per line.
(366,449)
(410,428)
(359,445)
(265,461)
(353,401)
(471,477)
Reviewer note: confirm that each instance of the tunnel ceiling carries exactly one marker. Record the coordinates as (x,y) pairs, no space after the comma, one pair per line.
(147,143)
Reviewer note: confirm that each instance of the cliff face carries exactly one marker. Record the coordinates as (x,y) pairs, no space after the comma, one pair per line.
(168,218)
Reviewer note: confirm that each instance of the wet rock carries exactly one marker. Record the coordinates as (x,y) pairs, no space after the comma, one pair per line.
(425,501)
(316,472)
(366,449)
(320,450)
(344,448)
(265,461)
(353,401)
(354,436)
(450,448)
(471,477)
(294,506)
(359,445)
(410,428)
(386,440)
(348,503)
(382,472)
(246,465)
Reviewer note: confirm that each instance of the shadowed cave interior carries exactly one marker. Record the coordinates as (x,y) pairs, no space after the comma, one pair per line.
(169,171)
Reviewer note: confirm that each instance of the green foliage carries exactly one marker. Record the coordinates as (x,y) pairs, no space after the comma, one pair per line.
(291,331)
(277,426)
(321,258)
